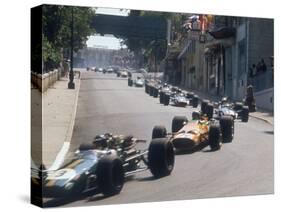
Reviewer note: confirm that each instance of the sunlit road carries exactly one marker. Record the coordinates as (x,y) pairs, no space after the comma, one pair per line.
(243,167)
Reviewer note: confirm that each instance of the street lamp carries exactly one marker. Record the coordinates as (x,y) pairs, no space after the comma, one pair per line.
(71,84)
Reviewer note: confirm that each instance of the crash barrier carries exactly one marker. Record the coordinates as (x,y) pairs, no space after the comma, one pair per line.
(46,80)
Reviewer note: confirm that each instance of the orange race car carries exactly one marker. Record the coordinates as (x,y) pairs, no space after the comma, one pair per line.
(189,136)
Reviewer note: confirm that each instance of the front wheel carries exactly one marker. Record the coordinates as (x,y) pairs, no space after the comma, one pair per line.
(159,132)
(227,128)
(245,114)
(161,157)
(214,137)
(110,175)
(178,122)
(166,99)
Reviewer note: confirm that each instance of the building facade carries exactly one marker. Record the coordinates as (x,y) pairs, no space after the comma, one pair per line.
(235,52)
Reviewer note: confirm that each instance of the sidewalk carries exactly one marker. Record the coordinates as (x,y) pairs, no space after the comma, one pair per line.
(58,116)
(263,115)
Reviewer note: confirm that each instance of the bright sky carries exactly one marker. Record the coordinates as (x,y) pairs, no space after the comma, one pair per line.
(109,42)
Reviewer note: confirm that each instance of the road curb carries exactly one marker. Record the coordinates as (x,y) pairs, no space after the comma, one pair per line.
(262,119)
(66,144)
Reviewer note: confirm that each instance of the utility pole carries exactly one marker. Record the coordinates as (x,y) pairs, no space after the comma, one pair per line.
(71,84)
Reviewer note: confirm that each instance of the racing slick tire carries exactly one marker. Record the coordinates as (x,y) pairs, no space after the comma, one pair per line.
(161,157)
(195,115)
(110,175)
(130,82)
(166,99)
(178,122)
(145,88)
(85,147)
(151,90)
(245,114)
(155,92)
(227,128)
(159,132)
(214,137)
(194,101)
(161,97)
(148,89)
(204,104)
(209,110)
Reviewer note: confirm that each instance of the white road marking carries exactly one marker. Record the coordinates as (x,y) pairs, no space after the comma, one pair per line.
(60,157)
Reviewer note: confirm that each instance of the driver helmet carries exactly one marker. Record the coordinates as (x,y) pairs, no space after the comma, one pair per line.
(101,141)
(224,100)
(128,140)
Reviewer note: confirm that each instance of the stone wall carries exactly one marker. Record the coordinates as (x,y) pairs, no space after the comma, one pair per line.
(265,99)
(44,81)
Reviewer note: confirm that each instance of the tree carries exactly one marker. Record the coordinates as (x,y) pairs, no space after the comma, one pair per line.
(56,31)
(148,47)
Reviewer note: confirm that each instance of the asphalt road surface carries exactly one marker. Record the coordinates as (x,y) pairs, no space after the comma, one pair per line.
(243,167)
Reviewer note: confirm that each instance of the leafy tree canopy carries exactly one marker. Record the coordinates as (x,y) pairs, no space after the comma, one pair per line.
(57,21)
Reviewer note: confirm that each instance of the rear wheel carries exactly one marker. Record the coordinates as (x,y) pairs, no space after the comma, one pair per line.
(209,110)
(155,93)
(227,128)
(159,132)
(130,82)
(194,101)
(214,136)
(110,175)
(161,97)
(145,88)
(166,99)
(178,122)
(161,157)
(245,114)
(151,90)
(204,104)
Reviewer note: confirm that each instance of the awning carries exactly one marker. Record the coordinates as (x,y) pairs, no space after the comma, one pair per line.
(223,32)
(216,43)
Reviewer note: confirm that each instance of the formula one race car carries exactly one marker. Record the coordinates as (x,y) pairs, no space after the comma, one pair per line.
(224,108)
(152,88)
(103,165)
(187,136)
(179,99)
(139,82)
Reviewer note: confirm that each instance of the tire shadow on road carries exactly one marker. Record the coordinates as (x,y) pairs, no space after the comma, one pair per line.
(87,196)
(270,132)
(145,179)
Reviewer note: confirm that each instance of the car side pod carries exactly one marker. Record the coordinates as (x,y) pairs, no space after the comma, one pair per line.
(161,157)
